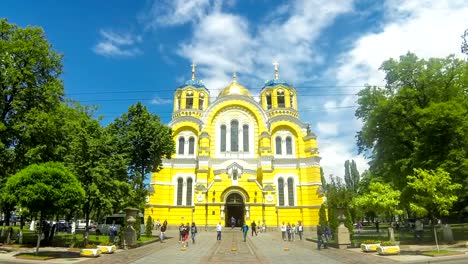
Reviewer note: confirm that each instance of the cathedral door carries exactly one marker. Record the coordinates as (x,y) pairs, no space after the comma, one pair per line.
(235,210)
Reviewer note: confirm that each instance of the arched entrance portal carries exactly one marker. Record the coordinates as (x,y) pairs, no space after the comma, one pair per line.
(235,208)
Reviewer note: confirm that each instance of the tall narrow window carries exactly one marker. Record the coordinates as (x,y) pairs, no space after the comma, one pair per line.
(268,100)
(245,137)
(289,146)
(189,100)
(201,100)
(234,135)
(191,149)
(291,191)
(223,138)
(180,187)
(291,100)
(281,191)
(178,102)
(280,98)
(278,145)
(189,192)
(181,146)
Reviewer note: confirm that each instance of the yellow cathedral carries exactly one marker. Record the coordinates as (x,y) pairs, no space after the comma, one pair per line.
(239,158)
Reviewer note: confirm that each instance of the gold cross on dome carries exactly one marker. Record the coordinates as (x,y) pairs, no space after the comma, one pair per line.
(193,70)
(276,64)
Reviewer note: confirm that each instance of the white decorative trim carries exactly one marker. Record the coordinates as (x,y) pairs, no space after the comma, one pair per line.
(310,184)
(162,183)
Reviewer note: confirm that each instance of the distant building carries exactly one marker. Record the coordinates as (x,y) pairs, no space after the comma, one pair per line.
(237,157)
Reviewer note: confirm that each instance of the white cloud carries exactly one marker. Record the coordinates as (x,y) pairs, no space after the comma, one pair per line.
(176,12)
(223,42)
(427,28)
(327,128)
(117,45)
(161,101)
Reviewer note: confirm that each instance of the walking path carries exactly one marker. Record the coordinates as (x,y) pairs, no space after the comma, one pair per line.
(264,248)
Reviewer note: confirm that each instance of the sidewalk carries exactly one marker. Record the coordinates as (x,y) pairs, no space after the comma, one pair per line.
(264,248)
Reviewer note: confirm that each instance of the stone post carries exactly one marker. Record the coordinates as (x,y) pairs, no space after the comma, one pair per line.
(391,234)
(130,236)
(447,234)
(342,234)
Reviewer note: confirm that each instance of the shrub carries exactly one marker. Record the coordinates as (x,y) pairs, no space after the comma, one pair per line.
(371,241)
(106,243)
(387,243)
(149,226)
(90,246)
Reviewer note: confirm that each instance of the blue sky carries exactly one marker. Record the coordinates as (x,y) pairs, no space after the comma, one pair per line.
(119,52)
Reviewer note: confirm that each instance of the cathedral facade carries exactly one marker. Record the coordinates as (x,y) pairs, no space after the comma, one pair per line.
(238,158)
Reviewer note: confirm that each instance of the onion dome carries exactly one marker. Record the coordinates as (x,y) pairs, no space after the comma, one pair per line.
(194,82)
(234,89)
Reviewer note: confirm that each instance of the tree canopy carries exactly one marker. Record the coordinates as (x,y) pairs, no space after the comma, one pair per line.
(418,120)
(431,192)
(144,141)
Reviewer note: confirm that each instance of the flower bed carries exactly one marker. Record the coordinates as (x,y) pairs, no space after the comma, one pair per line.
(90,252)
(369,247)
(107,249)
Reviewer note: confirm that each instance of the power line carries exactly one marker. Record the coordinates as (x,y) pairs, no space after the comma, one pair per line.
(305,110)
(220,89)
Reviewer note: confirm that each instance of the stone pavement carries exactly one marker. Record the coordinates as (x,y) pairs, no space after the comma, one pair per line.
(264,248)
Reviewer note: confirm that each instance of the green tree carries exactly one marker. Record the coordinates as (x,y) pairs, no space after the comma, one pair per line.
(44,189)
(323,215)
(352,176)
(432,193)
(418,120)
(92,156)
(29,86)
(381,199)
(149,226)
(144,141)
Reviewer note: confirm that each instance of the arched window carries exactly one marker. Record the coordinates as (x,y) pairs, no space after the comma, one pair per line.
(291,100)
(201,100)
(180,187)
(268,100)
(278,145)
(181,146)
(191,149)
(280,97)
(234,135)
(223,138)
(189,100)
(288,146)
(245,137)
(290,191)
(281,191)
(178,102)
(189,192)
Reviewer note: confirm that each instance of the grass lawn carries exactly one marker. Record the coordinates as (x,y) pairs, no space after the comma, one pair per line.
(33,256)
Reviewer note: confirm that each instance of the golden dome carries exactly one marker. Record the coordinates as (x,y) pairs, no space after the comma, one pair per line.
(235,88)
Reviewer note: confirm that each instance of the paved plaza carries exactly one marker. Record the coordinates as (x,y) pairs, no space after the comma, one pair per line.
(264,248)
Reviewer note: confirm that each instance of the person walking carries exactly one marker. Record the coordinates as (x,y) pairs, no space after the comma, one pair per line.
(264,227)
(328,233)
(233,222)
(245,230)
(293,232)
(283,231)
(194,232)
(254,228)
(300,229)
(288,231)
(181,231)
(162,232)
(219,229)
(320,241)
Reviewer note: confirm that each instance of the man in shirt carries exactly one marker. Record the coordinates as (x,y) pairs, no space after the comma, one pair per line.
(219,229)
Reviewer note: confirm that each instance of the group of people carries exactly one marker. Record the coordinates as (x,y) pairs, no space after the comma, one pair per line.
(290,231)
(185,230)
